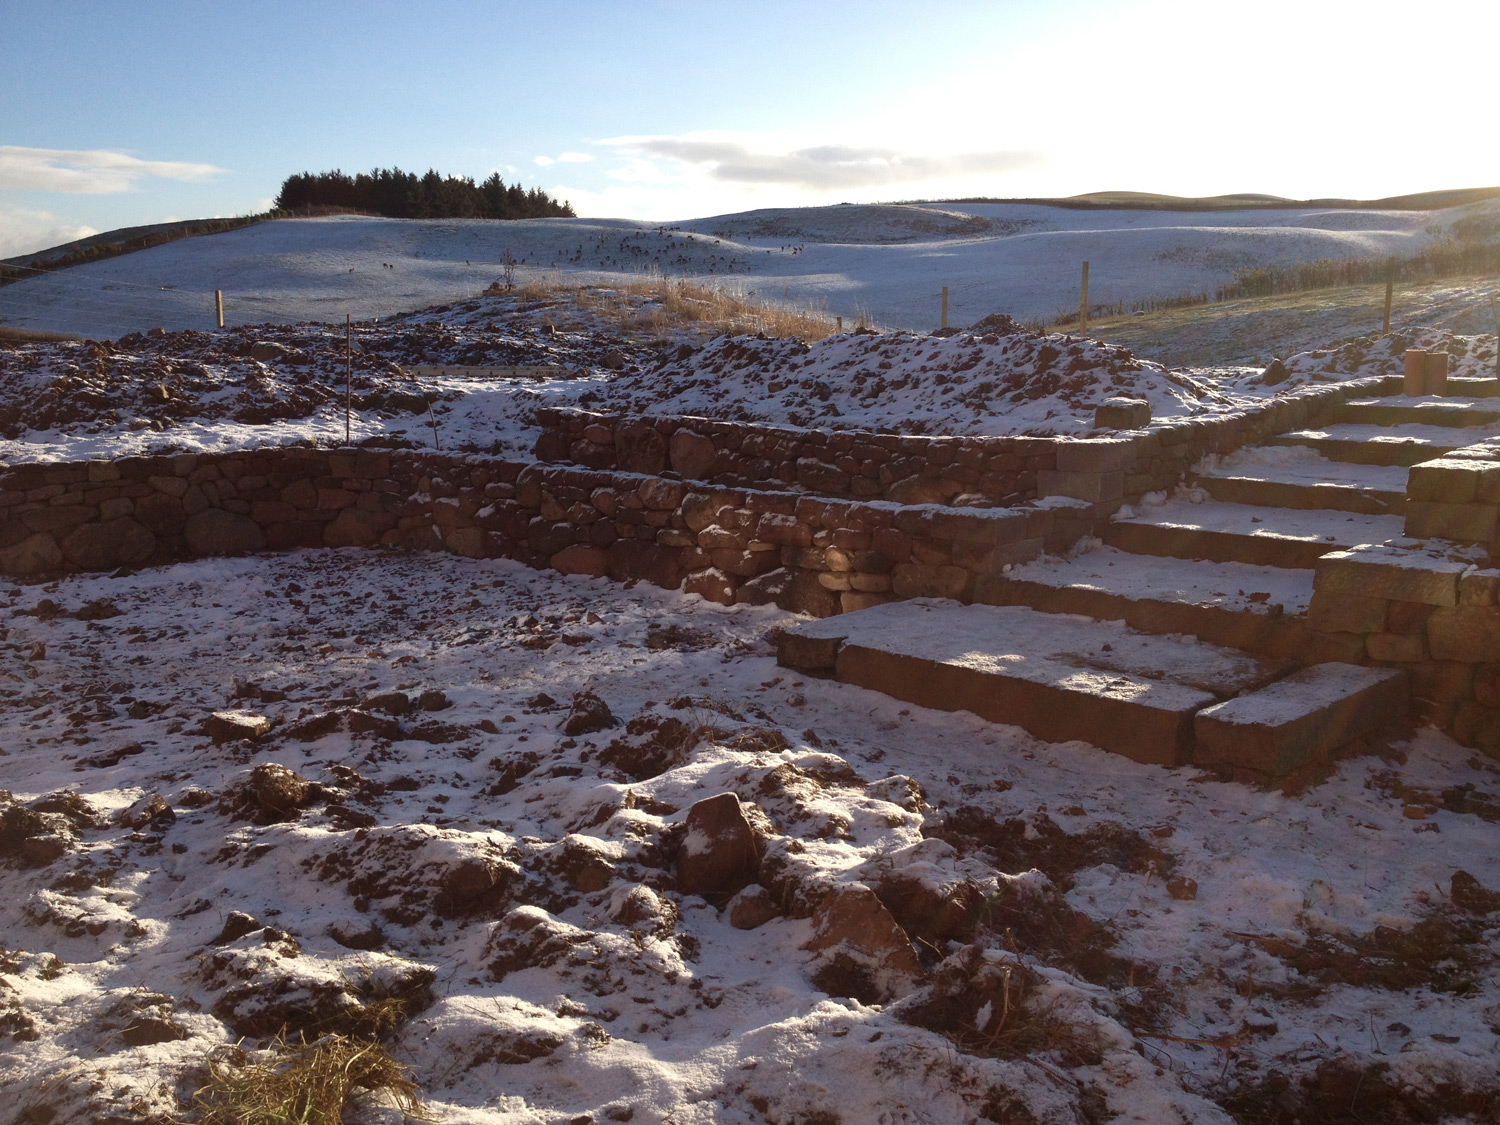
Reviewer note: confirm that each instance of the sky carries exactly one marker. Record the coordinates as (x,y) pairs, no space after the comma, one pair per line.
(115,114)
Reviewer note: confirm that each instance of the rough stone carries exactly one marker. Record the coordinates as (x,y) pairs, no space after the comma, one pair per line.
(1122,414)
(692,454)
(580,559)
(231,726)
(752,908)
(104,546)
(851,920)
(36,554)
(215,531)
(719,856)
(588,715)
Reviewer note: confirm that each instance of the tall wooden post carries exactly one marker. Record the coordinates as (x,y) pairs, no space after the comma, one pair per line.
(348,374)
(1083,304)
(945,308)
(219,305)
(1390,287)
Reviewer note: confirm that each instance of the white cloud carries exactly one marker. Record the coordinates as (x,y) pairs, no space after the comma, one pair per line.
(24,231)
(87,172)
(824,167)
(562,158)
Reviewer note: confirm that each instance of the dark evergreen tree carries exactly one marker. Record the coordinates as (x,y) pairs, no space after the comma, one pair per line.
(403,195)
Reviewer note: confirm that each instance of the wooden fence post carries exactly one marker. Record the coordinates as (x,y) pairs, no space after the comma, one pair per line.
(1390,285)
(219,305)
(1083,304)
(840,321)
(944,325)
(348,373)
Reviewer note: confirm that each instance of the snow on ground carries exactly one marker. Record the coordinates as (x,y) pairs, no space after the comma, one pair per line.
(281,384)
(1179,949)
(881,262)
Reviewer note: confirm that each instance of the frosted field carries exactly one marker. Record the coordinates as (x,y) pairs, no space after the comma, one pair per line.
(884,263)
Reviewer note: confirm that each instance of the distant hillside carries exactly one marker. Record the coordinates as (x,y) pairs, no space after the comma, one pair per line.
(1243,201)
(113,243)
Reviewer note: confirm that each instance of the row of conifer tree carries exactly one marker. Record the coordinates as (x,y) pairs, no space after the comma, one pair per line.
(405,195)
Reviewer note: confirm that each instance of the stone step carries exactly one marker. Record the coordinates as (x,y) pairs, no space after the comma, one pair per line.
(1449,411)
(1294,477)
(1261,536)
(1157,700)
(1301,719)
(1406,443)
(1259,609)
(1060,677)
(1470,387)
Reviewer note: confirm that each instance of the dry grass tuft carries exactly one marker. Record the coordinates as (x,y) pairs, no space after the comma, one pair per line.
(306,1085)
(656,306)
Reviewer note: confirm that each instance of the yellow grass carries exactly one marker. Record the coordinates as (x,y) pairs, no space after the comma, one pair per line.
(657,306)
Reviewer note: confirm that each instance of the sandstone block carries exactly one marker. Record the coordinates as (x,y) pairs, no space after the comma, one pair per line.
(1463,523)
(36,554)
(580,559)
(1300,719)
(354,528)
(692,454)
(711,584)
(215,531)
(1467,633)
(1381,572)
(1122,414)
(104,546)
(719,856)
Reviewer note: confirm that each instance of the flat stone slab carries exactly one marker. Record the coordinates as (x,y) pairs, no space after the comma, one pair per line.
(1061,677)
(1291,538)
(1300,719)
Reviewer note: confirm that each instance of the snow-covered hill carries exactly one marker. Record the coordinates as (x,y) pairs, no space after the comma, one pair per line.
(886,263)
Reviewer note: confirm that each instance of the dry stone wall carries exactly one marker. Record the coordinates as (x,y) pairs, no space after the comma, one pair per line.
(908,469)
(805,553)
(1436,616)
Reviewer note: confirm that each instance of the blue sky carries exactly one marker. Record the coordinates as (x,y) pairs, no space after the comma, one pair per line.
(114,114)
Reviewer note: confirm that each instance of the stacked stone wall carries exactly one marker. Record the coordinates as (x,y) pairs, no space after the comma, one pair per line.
(908,469)
(805,553)
(1436,617)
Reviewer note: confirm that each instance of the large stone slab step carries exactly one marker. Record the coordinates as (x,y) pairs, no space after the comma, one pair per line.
(1405,443)
(1301,719)
(1261,536)
(1061,677)
(1258,609)
(1157,700)
(1301,478)
(1450,411)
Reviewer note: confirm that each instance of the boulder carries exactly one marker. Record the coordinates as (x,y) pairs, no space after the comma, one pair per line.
(231,726)
(106,545)
(719,856)
(752,908)
(267,350)
(215,531)
(639,448)
(1121,413)
(36,554)
(279,790)
(851,929)
(692,454)
(580,558)
(588,715)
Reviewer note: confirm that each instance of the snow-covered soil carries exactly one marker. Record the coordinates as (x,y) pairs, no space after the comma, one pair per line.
(279,384)
(881,262)
(1119,942)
